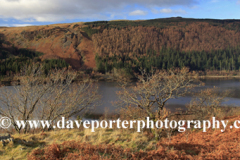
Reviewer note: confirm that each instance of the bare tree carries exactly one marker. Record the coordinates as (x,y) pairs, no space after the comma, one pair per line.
(152,91)
(207,103)
(46,97)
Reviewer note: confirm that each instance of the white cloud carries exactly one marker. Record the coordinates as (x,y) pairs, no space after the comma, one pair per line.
(168,11)
(180,11)
(4,25)
(21,25)
(56,10)
(138,13)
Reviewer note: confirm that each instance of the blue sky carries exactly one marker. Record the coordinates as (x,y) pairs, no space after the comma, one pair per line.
(41,12)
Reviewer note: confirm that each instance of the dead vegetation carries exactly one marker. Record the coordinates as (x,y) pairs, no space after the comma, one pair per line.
(155,89)
(46,97)
(114,144)
(152,91)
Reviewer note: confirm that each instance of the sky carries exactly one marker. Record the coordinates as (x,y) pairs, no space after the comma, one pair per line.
(43,12)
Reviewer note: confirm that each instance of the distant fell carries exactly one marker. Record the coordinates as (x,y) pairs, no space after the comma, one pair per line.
(80,43)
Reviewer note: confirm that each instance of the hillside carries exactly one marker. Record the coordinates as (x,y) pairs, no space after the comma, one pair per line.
(53,41)
(126,44)
(123,144)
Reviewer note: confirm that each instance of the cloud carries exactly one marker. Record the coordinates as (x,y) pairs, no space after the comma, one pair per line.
(168,11)
(4,25)
(21,25)
(194,7)
(138,13)
(57,10)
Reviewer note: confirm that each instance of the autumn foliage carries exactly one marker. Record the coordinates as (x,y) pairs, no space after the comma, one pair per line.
(212,144)
(197,36)
(78,43)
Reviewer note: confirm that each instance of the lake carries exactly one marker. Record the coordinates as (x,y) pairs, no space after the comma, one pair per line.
(108,92)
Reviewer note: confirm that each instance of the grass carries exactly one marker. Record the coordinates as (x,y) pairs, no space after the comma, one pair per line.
(25,143)
(191,144)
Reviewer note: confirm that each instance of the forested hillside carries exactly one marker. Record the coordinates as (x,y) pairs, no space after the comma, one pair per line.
(193,37)
(201,44)
(228,59)
(166,43)
(12,59)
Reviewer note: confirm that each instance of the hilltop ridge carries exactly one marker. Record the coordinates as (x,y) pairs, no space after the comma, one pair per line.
(79,43)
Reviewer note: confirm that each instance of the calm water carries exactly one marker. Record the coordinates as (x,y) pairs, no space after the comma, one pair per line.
(108,92)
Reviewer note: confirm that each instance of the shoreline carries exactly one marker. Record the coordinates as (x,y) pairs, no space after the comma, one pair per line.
(215,76)
(112,78)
